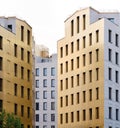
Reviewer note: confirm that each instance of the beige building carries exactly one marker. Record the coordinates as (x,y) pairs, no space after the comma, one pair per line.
(16,68)
(89,71)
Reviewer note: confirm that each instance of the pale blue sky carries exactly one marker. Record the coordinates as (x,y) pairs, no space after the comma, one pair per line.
(47,17)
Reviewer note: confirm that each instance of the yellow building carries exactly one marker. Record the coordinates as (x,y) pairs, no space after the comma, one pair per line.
(88,67)
(16,68)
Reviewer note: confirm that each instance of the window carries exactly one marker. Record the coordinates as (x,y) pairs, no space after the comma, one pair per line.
(90,76)
(66,99)
(15,69)
(110,113)
(84,78)
(116,58)
(44,126)
(52,82)
(109,54)
(28,57)
(28,93)
(78,116)
(52,71)
(66,117)
(116,40)
(1,42)
(37,83)
(22,72)
(66,83)
(44,105)
(97,73)
(45,117)
(117,114)
(84,42)
(84,114)
(22,91)
(116,76)
(72,64)
(90,113)
(61,101)
(22,110)
(22,33)
(1,84)
(78,97)
(66,49)
(15,50)
(72,81)
(110,93)
(44,94)
(37,94)
(15,89)
(15,109)
(52,117)
(72,99)
(72,117)
(28,112)
(52,126)
(78,62)
(78,44)
(61,85)
(78,79)
(52,105)
(61,68)
(52,94)
(66,63)
(72,47)
(37,71)
(44,71)
(84,59)
(97,112)
(109,73)
(110,36)
(97,36)
(1,105)
(90,39)
(72,28)
(84,96)
(117,95)
(1,63)
(97,93)
(97,55)
(90,94)
(84,22)
(78,24)
(45,83)
(37,105)
(22,54)
(37,127)
(61,52)
(28,37)
(37,117)
(90,57)
(61,118)
(28,75)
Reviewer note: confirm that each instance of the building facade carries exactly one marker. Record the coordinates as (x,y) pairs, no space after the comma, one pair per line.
(16,69)
(89,71)
(46,91)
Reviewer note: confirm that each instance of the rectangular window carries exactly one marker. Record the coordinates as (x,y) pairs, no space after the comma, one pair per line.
(52,105)
(90,57)
(15,69)
(28,112)
(97,93)
(116,58)
(78,116)
(66,83)
(61,101)
(72,47)
(78,62)
(84,115)
(90,94)
(1,105)
(97,73)
(15,89)
(22,110)
(117,114)
(78,24)
(15,50)
(61,118)
(15,109)
(90,113)
(72,99)
(28,37)
(66,66)
(28,57)
(110,73)
(52,82)
(52,71)
(72,28)
(84,22)
(90,39)
(28,93)
(22,72)
(97,112)
(1,63)
(110,36)
(84,42)
(37,71)
(84,78)
(116,76)
(78,79)
(45,83)
(1,84)
(66,49)
(61,85)
(78,44)
(44,94)
(97,36)
(44,71)
(44,105)
(66,99)
(109,54)
(97,55)
(52,117)
(37,94)
(116,40)
(72,117)
(1,42)
(110,113)
(66,117)
(22,91)
(37,83)
(28,75)
(52,94)
(72,81)
(78,98)
(84,59)
(117,95)
(22,33)
(37,117)
(72,64)
(110,93)
(37,105)
(90,76)
(61,52)
(61,68)
(22,53)
(84,96)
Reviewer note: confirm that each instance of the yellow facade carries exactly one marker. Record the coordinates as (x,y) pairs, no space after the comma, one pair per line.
(16,69)
(80,85)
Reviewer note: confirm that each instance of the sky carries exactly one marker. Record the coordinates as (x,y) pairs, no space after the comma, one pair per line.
(46,17)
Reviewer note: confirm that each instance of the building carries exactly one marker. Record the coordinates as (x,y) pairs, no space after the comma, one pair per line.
(16,68)
(46,91)
(89,70)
